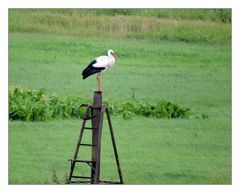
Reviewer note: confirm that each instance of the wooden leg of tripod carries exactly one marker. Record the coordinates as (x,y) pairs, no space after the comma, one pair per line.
(114,146)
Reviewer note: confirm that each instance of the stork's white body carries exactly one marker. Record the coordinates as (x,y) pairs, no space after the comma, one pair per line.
(105,62)
(98,65)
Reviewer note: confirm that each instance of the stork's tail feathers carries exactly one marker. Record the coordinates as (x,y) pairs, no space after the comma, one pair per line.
(84,76)
(86,73)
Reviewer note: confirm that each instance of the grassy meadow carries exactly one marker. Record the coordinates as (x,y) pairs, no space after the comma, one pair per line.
(183,56)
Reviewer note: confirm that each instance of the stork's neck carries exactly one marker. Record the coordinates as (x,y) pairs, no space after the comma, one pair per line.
(112,57)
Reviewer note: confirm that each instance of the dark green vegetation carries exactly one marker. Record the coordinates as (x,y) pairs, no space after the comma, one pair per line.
(170,55)
(34,105)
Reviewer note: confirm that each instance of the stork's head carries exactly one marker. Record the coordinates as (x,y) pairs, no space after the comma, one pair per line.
(111,53)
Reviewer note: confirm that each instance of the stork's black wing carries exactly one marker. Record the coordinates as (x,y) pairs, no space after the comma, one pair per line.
(90,69)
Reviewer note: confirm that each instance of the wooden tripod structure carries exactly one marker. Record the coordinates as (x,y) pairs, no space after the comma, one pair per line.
(97,111)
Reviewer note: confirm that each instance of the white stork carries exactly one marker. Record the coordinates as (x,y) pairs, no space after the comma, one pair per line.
(98,65)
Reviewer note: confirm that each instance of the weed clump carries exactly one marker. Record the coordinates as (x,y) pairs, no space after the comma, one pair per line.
(161,109)
(35,105)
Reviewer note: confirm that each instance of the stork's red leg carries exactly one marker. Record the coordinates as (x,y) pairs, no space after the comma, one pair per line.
(99,88)
(98,79)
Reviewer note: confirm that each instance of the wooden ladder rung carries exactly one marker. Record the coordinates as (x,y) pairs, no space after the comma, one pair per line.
(90,128)
(84,144)
(82,177)
(84,161)
(76,182)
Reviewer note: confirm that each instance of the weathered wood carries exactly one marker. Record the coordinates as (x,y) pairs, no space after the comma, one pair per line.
(96,136)
(97,113)
(77,146)
(114,146)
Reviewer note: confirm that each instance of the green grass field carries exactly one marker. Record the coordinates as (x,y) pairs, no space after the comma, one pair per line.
(188,68)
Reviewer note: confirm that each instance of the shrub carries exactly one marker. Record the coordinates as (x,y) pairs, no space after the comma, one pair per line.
(34,105)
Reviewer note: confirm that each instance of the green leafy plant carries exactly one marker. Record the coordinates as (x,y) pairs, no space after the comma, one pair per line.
(35,105)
